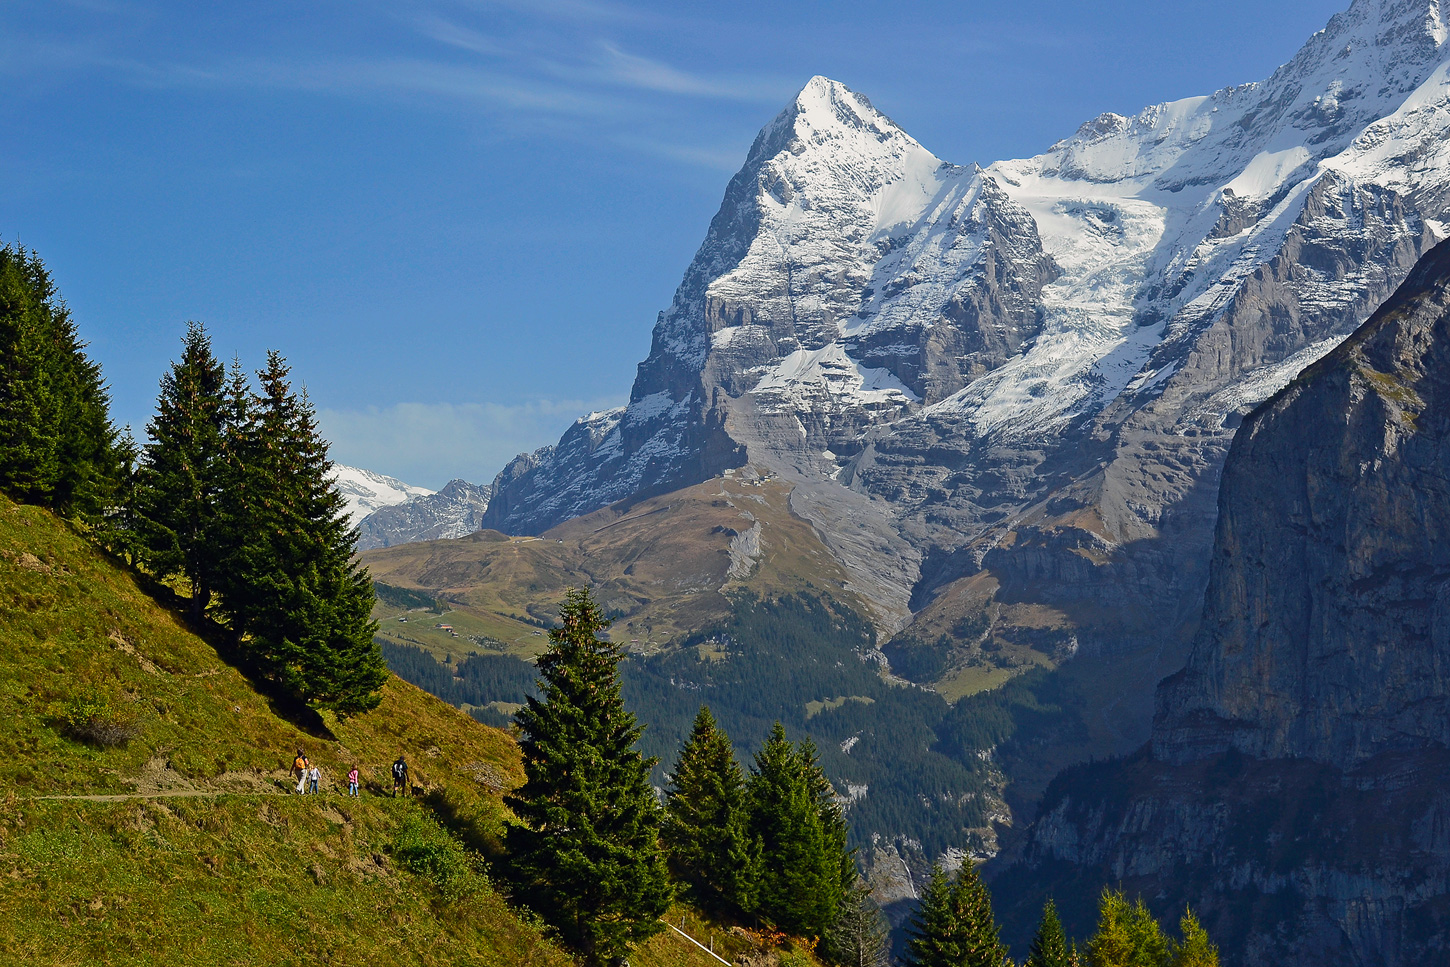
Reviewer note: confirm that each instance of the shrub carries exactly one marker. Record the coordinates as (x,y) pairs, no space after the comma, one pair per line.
(97,719)
(424,848)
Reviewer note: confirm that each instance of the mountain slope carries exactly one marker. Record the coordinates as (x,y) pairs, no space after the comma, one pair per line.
(944,348)
(184,844)
(1294,788)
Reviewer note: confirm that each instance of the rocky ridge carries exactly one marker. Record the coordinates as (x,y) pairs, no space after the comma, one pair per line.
(455,511)
(1293,790)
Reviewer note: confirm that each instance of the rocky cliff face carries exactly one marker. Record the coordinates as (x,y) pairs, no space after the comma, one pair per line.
(455,511)
(1326,629)
(1294,788)
(1029,372)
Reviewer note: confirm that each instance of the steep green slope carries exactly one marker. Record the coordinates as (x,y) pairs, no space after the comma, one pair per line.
(186,843)
(193,850)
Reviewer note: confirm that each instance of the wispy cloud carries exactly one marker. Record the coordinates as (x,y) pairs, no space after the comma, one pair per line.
(572,11)
(516,63)
(431,443)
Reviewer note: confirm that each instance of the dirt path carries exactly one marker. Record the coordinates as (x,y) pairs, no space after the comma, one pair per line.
(163,794)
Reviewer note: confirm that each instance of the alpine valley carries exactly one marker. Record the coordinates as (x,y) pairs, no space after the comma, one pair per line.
(969,425)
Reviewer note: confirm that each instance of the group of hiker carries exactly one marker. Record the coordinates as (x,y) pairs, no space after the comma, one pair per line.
(308,775)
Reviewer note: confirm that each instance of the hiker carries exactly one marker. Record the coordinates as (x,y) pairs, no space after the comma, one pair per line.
(352,782)
(400,776)
(299,767)
(315,774)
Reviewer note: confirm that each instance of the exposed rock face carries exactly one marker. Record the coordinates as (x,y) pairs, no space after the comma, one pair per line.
(1033,369)
(1326,629)
(1295,785)
(848,275)
(455,511)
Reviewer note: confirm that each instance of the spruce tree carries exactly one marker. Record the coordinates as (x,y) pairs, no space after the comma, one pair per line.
(1195,950)
(1127,935)
(806,868)
(860,935)
(706,824)
(178,484)
(1049,946)
(298,603)
(58,447)
(586,854)
(954,925)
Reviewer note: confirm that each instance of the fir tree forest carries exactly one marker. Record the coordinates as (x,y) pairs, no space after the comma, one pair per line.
(638,792)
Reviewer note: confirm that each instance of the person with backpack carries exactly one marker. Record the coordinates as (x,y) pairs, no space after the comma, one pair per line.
(352,782)
(299,769)
(400,776)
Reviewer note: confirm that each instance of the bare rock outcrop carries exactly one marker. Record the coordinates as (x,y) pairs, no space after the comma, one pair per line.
(1294,789)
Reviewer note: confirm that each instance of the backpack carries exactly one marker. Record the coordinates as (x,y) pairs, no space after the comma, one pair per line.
(399,769)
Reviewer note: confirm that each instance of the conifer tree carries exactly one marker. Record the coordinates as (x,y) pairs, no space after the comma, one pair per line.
(1049,946)
(706,824)
(586,855)
(860,936)
(297,601)
(58,447)
(1195,950)
(806,868)
(1127,935)
(178,484)
(954,925)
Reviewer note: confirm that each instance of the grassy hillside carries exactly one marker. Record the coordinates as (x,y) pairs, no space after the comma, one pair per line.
(185,844)
(662,566)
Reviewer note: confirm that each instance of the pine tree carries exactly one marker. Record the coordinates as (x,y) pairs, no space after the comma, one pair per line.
(1196,950)
(297,601)
(954,925)
(860,936)
(119,529)
(1127,935)
(586,855)
(706,822)
(806,867)
(58,447)
(179,482)
(1049,946)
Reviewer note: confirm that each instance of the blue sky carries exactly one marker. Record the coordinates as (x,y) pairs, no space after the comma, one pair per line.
(459,218)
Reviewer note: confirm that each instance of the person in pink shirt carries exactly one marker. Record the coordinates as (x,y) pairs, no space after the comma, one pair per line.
(352,782)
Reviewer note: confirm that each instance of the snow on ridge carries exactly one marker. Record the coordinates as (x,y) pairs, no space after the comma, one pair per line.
(1127,203)
(786,385)
(365,491)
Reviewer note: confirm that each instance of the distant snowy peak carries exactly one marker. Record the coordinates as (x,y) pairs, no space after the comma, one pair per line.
(455,511)
(366,491)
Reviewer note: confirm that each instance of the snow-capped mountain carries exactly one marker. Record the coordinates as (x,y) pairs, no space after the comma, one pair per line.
(366,491)
(455,511)
(1030,371)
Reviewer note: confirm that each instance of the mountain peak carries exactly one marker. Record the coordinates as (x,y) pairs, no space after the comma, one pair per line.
(824,112)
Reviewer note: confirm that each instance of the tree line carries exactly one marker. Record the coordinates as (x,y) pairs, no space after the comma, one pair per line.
(599,856)
(230,499)
(954,927)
